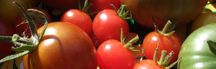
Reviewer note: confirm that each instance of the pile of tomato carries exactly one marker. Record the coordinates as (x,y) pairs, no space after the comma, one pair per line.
(107,34)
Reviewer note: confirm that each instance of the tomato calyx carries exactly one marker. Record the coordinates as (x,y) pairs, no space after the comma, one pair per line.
(23,44)
(211,7)
(165,58)
(123,13)
(168,29)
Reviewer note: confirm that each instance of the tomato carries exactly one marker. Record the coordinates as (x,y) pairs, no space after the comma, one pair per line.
(99,5)
(195,52)
(203,19)
(5,47)
(168,43)
(79,18)
(107,25)
(147,64)
(111,54)
(65,46)
(62,4)
(146,12)
(10,12)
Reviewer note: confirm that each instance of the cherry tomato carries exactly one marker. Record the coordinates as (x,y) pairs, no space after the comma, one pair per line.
(65,46)
(79,18)
(146,12)
(99,5)
(107,25)
(147,64)
(168,43)
(111,54)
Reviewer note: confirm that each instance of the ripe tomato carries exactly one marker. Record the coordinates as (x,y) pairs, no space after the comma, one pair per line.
(99,5)
(111,54)
(79,18)
(147,64)
(168,43)
(107,25)
(10,11)
(65,46)
(146,12)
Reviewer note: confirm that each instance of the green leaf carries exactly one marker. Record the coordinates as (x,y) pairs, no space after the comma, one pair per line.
(14,56)
(212,46)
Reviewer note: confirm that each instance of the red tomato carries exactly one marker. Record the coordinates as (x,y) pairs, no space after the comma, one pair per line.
(147,64)
(99,5)
(111,54)
(168,43)
(65,46)
(107,25)
(79,18)
(6,30)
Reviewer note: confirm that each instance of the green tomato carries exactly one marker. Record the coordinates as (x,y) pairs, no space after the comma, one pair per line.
(195,52)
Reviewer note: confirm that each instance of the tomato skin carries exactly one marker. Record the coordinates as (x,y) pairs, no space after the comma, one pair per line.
(107,25)
(203,19)
(65,46)
(147,64)
(168,43)
(112,55)
(195,52)
(79,18)
(99,5)
(146,12)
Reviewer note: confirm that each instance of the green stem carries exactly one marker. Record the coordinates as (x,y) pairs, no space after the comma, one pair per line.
(155,58)
(168,29)
(167,59)
(31,22)
(6,38)
(86,6)
(122,12)
(131,42)
(162,58)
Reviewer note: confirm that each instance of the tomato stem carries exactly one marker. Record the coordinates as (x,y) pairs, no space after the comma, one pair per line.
(6,38)
(155,58)
(167,59)
(123,13)
(168,29)
(162,58)
(210,7)
(131,42)
(86,6)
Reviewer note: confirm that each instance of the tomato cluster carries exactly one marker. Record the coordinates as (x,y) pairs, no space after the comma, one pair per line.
(107,34)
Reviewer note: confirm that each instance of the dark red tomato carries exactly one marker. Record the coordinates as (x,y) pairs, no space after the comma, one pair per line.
(5,30)
(62,4)
(99,5)
(79,18)
(10,12)
(147,64)
(111,54)
(65,46)
(107,25)
(146,12)
(168,43)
